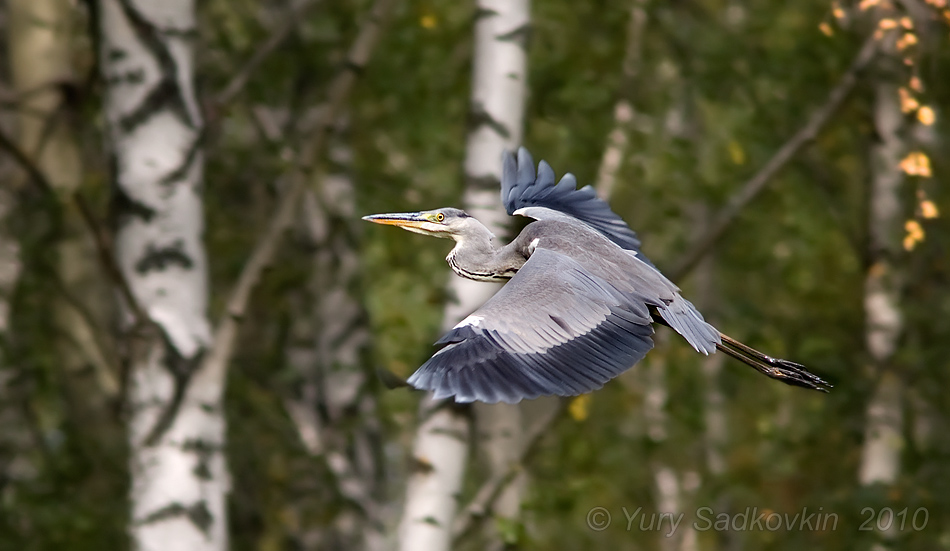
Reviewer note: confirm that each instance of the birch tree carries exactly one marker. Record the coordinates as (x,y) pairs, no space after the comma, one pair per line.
(42,47)
(883,433)
(179,477)
(42,44)
(441,444)
(332,407)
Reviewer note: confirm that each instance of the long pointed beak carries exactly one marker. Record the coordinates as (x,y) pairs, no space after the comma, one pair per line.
(402,219)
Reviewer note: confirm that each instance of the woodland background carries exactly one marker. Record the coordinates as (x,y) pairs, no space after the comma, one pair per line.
(812,134)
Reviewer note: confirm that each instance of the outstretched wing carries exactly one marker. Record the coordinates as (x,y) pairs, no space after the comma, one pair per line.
(579,332)
(521,187)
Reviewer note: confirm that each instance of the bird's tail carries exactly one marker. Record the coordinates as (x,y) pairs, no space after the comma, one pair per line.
(788,372)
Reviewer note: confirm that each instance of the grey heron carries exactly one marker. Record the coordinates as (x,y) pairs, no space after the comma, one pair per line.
(580,305)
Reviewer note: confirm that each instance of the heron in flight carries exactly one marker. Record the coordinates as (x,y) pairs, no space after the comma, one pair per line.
(580,305)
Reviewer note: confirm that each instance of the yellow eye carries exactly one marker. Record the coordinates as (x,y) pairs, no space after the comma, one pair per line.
(440,217)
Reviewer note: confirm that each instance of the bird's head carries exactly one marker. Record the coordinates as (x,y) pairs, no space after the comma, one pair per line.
(446,222)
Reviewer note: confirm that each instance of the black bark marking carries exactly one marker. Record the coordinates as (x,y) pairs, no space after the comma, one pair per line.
(116,54)
(132,76)
(169,511)
(198,514)
(419,465)
(125,207)
(181,173)
(205,452)
(181,369)
(483,12)
(201,517)
(478,116)
(458,435)
(159,258)
(163,94)
(166,94)
(520,36)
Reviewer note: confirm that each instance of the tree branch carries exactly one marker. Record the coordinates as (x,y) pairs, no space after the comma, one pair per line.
(26,163)
(239,80)
(727,214)
(215,363)
(481,505)
(102,244)
(107,258)
(315,438)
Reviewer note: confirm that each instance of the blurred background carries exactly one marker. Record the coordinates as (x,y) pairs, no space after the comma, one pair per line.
(781,161)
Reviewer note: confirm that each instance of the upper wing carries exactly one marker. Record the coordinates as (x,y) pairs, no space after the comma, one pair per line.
(555,328)
(521,188)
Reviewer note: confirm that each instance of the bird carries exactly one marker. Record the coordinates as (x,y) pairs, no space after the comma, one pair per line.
(579,304)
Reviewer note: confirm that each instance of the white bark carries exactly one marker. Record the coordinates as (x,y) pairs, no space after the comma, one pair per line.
(328,344)
(617,139)
(500,434)
(714,403)
(14,438)
(179,476)
(41,48)
(438,464)
(497,105)
(883,435)
(40,65)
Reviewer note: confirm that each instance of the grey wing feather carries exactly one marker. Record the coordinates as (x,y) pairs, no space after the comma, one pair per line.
(581,332)
(521,187)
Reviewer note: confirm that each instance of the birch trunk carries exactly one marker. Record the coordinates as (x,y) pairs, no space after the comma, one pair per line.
(671,488)
(441,445)
(176,432)
(714,403)
(14,437)
(883,437)
(42,51)
(617,139)
(333,409)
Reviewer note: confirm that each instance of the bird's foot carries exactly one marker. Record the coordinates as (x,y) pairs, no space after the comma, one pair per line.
(794,374)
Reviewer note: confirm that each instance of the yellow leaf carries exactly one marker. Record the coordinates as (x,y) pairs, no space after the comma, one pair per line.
(865,4)
(825,28)
(916,85)
(928,209)
(926,115)
(916,164)
(923,165)
(887,24)
(428,21)
(915,234)
(579,407)
(908,103)
(909,243)
(906,41)
(736,153)
(907,22)
(913,227)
